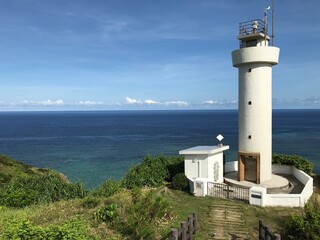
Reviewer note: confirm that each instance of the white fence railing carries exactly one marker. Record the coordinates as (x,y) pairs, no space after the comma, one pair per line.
(258,195)
(292,200)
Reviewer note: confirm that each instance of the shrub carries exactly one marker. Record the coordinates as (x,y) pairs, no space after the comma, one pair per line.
(10,168)
(306,225)
(107,189)
(145,214)
(4,179)
(90,202)
(24,229)
(24,191)
(153,171)
(180,182)
(18,198)
(296,161)
(108,213)
(175,165)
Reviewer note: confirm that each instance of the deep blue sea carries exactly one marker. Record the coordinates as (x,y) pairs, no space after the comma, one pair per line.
(96,145)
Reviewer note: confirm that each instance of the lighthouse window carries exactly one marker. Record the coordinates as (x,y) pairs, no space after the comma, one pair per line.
(251,43)
(249,136)
(249,102)
(249,70)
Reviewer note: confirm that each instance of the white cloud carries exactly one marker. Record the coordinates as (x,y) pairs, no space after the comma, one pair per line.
(232,102)
(132,101)
(49,102)
(42,103)
(210,102)
(177,103)
(312,100)
(90,103)
(150,102)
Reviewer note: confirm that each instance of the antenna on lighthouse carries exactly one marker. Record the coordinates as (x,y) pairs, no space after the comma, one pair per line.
(265,23)
(272,36)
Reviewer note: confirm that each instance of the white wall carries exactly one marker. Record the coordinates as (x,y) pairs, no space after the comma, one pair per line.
(307,181)
(285,200)
(191,185)
(217,160)
(282,169)
(255,119)
(291,200)
(204,168)
(192,163)
(300,175)
(255,54)
(231,167)
(206,164)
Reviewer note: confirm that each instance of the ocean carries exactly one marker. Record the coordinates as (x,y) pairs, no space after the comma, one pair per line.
(92,146)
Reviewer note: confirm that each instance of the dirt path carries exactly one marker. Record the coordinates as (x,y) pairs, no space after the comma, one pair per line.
(227,222)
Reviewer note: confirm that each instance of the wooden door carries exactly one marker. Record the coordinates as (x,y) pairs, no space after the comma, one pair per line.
(250,172)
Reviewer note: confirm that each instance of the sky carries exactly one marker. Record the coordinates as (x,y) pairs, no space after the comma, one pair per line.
(143,54)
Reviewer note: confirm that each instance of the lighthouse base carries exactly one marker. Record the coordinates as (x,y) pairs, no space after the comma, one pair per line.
(277,183)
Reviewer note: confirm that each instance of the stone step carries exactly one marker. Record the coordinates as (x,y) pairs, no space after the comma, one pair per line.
(226,222)
(226,207)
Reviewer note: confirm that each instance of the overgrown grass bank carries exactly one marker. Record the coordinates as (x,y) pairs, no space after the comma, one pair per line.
(42,204)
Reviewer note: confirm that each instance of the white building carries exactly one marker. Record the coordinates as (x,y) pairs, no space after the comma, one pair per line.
(254,60)
(204,162)
(252,178)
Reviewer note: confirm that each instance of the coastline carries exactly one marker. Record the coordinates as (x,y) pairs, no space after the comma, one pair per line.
(91,146)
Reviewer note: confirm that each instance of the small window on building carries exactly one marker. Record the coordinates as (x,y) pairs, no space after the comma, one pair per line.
(249,102)
(249,70)
(251,43)
(249,136)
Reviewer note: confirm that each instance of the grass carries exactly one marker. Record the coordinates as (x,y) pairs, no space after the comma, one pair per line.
(215,216)
(58,213)
(184,204)
(11,168)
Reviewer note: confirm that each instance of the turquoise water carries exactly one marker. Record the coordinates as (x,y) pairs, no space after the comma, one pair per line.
(94,146)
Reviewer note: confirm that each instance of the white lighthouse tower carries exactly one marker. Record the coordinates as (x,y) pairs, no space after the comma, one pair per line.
(254,60)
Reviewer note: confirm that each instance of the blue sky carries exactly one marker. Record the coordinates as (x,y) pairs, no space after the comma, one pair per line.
(142,54)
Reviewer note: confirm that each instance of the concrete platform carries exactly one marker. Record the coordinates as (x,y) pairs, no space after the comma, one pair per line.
(277,184)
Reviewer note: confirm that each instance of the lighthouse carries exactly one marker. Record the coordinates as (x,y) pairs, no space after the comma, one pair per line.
(254,60)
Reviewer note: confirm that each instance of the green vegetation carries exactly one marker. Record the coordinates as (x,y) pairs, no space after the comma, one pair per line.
(25,229)
(216,215)
(108,213)
(180,182)
(147,216)
(107,189)
(24,191)
(124,214)
(90,202)
(153,171)
(141,206)
(305,226)
(297,161)
(13,169)
(22,185)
